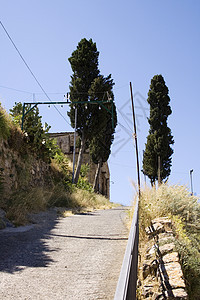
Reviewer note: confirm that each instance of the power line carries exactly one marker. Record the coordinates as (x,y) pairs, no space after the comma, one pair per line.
(124,119)
(13,89)
(26,64)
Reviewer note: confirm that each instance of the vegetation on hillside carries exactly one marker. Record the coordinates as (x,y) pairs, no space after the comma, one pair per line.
(184,210)
(35,134)
(5,123)
(34,143)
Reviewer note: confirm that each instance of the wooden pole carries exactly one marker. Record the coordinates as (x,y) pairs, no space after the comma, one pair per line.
(159,166)
(136,143)
(74,150)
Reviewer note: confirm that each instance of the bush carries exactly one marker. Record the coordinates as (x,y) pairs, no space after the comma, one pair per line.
(83,182)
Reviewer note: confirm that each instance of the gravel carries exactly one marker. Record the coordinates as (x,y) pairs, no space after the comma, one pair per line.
(78,257)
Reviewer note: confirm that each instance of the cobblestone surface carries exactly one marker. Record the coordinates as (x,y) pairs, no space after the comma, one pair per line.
(77,257)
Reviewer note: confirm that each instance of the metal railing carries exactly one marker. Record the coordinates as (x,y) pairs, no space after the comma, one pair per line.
(127,283)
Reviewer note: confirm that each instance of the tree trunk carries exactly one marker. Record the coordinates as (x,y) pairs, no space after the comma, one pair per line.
(80,158)
(95,185)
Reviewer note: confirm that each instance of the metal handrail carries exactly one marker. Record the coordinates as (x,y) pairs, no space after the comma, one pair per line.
(127,283)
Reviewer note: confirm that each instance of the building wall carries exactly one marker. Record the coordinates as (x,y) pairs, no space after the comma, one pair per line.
(65,141)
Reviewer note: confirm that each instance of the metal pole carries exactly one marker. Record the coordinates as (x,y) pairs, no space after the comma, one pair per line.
(136,144)
(191,171)
(74,150)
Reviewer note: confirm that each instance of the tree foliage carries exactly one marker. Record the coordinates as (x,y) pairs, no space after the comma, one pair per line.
(36,135)
(84,64)
(160,139)
(88,85)
(105,123)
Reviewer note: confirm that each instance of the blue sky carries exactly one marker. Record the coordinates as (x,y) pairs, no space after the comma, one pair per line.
(136,40)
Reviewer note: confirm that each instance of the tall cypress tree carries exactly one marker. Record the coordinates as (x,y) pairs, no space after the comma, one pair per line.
(158,151)
(100,144)
(84,64)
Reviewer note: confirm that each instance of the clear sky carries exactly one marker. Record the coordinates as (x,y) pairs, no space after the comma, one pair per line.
(136,40)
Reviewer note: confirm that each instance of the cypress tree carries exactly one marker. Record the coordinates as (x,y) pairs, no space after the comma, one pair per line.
(158,151)
(84,64)
(100,144)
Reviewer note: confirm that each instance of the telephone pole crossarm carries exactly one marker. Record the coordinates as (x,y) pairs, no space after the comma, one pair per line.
(65,102)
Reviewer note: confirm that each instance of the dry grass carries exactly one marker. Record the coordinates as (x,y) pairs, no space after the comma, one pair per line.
(166,201)
(22,203)
(177,203)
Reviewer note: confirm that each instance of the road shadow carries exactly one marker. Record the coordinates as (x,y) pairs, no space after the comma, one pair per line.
(20,249)
(90,237)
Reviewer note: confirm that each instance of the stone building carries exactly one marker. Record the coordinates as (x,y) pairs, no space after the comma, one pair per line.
(65,141)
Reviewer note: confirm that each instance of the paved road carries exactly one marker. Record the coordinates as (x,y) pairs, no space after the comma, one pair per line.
(77,257)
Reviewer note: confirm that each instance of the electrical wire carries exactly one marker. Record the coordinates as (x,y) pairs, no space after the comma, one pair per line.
(124,119)
(13,89)
(26,64)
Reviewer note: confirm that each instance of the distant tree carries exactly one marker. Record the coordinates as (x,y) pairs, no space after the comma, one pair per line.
(84,64)
(159,141)
(100,144)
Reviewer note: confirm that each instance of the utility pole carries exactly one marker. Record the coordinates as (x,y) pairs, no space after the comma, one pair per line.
(74,150)
(191,171)
(136,144)
(159,178)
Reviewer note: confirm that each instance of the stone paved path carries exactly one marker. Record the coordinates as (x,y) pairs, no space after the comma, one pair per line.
(77,257)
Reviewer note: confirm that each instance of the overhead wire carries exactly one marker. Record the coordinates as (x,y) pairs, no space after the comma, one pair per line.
(39,84)
(26,64)
(16,90)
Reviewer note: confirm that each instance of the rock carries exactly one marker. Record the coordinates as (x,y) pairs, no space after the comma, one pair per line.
(171,276)
(170,257)
(145,270)
(167,248)
(166,235)
(151,254)
(149,267)
(154,229)
(166,240)
(176,294)
(163,221)
(162,273)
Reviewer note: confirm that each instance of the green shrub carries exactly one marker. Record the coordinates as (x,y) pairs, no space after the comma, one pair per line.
(83,182)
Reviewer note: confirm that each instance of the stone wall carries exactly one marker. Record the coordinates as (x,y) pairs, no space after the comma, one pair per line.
(65,141)
(21,172)
(161,270)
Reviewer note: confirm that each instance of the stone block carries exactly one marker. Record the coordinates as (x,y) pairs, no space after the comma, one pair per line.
(176,294)
(171,276)
(167,248)
(170,257)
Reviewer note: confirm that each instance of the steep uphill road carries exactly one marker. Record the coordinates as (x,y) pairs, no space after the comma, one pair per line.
(78,257)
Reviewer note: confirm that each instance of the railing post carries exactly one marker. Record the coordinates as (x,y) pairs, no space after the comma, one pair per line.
(127,283)
(132,285)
